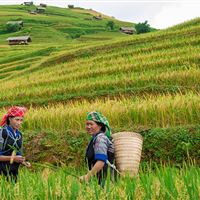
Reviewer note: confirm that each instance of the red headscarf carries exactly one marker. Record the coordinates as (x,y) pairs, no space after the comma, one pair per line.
(14,111)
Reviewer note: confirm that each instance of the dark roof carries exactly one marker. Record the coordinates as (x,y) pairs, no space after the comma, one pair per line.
(41,8)
(28,2)
(33,12)
(14,22)
(19,38)
(97,17)
(127,28)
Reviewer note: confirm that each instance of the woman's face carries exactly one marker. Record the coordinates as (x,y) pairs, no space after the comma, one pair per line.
(15,122)
(92,127)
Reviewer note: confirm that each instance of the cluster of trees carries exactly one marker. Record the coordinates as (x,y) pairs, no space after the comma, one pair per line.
(13,27)
(143,27)
(110,25)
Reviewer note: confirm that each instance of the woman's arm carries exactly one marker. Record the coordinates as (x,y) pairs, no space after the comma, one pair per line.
(17,159)
(96,168)
(5,158)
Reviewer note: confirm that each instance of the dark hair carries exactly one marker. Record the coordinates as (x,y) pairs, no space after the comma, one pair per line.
(8,121)
(103,127)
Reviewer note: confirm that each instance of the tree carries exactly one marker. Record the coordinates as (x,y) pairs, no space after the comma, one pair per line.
(13,27)
(143,27)
(76,33)
(111,25)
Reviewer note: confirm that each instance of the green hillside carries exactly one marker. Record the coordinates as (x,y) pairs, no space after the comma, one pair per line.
(56,24)
(164,62)
(58,29)
(139,82)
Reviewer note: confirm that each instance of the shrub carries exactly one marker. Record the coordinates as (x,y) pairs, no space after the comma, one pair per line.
(142,27)
(161,145)
(175,145)
(110,25)
(13,27)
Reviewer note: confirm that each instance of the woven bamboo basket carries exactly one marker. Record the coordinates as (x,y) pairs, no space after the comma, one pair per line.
(128,149)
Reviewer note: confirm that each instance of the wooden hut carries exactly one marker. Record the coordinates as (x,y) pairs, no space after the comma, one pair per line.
(70,6)
(127,30)
(43,5)
(28,3)
(33,12)
(40,10)
(19,40)
(97,17)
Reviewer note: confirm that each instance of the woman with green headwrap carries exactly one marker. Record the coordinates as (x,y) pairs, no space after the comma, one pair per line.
(100,150)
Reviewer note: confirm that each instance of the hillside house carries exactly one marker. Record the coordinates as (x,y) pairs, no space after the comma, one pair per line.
(43,5)
(28,3)
(19,40)
(70,6)
(40,10)
(97,17)
(33,12)
(128,30)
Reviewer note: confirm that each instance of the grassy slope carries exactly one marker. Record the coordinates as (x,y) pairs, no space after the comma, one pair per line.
(55,25)
(147,81)
(165,62)
(50,32)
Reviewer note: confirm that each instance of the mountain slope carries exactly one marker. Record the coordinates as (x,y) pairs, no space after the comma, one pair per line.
(56,24)
(146,68)
(153,63)
(139,82)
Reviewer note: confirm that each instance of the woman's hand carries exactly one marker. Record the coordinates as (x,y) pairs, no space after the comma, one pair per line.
(27,164)
(96,168)
(19,159)
(84,178)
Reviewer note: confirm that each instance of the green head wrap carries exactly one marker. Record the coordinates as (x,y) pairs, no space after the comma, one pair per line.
(98,117)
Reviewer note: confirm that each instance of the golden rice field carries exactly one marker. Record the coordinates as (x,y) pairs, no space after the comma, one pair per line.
(150,80)
(161,63)
(123,113)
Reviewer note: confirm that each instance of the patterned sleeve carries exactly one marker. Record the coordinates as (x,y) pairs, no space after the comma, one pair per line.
(3,136)
(20,151)
(1,140)
(100,148)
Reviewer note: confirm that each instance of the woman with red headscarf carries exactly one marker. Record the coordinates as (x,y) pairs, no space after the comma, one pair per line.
(11,142)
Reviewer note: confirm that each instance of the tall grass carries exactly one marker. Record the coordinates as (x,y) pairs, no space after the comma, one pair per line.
(162,183)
